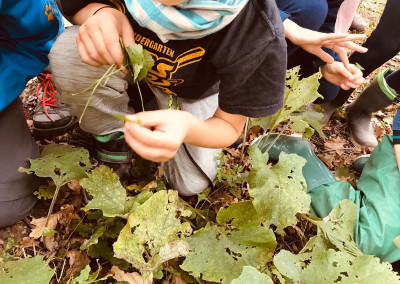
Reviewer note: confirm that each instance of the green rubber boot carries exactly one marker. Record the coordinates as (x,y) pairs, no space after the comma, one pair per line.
(314,171)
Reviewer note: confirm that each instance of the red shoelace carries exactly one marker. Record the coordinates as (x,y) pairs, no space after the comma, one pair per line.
(49,91)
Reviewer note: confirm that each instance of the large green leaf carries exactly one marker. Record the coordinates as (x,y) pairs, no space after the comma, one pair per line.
(331,266)
(250,275)
(108,193)
(27,270)
(298,94)
(279,192)
(219,253)
(154,232)
(337,233)
(61,163)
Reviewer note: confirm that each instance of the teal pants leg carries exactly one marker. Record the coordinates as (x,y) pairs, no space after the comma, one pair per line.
(378,200)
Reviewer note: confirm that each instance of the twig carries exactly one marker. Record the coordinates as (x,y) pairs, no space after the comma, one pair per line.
(53,201)
(244,140)
(304,216)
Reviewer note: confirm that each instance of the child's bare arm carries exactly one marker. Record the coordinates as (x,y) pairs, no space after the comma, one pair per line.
(397,154)
(164,131)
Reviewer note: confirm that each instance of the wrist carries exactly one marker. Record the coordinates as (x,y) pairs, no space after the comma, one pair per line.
(85,13)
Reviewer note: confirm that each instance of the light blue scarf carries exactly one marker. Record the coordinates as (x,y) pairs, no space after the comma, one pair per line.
(191,19)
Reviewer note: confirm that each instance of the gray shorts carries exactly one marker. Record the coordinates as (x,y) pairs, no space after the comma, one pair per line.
(190,171)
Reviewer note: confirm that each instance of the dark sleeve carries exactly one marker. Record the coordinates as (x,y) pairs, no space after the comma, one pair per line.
(251,63)
(329,27)
(396,127)
(70,7)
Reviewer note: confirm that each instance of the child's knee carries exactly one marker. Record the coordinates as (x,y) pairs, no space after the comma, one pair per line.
(13,211)
(310,14)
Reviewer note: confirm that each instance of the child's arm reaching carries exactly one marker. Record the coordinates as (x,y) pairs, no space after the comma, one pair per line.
(164,131)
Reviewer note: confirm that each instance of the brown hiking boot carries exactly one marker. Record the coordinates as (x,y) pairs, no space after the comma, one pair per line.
(51,117)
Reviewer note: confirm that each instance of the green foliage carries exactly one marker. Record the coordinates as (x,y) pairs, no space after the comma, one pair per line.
(251,275)
(299,92)
(45,192)
(279,192)
(331,266)
(226,173)
(219,253)
(154,230)
(137,60)
(61,163)
(108,193)
(94,239)
(27,270)
(86,278)
(48,232)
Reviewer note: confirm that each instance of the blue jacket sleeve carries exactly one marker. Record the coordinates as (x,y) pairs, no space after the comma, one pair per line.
(396,127)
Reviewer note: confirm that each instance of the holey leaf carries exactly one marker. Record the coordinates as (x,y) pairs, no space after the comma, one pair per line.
(108,193)
(279,192)
(298,94)
(331,266)
(219,253)
(251,275)
(27,271)
(61,163)
(154,232)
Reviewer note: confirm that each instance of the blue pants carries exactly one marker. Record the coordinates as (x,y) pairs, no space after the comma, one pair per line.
(316,15)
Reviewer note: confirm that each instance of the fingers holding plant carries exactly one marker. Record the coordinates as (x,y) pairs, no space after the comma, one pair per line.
(98,37)
(336,73)
(159,134)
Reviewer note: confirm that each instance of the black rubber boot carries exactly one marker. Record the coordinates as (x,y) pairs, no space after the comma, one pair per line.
(330,107)
(377,96)
(113,151)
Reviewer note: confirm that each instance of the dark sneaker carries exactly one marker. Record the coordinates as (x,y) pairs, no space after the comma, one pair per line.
(51,117)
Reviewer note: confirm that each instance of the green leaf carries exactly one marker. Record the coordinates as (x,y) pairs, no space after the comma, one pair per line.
(331,266)
(86,278)
(155,230)
(337,233)
(45,192)
(108,193)
(94,239)
(219,253)
(27,270)
(279,192)
(137,60)
(48,232)
(61,163)
(298,94)
(253,276)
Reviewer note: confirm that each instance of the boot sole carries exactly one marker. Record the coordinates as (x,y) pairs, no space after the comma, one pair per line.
(358,145)
(51,132)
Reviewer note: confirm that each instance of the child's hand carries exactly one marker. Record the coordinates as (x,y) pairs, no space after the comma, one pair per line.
(161,135)
(98,37)
(337,74)
(312,42)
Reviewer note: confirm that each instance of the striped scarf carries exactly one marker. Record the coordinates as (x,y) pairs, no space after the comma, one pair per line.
(189,20)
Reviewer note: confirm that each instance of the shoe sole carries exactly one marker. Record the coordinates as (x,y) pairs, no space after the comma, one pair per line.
(56,131)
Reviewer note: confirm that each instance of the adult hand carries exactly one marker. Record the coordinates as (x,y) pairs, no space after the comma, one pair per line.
(312,42)
(337,74)
(160,135)
(99,34)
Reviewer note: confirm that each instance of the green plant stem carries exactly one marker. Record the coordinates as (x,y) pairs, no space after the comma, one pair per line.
(52,205)
(141,97)
(305,217)
(246,126)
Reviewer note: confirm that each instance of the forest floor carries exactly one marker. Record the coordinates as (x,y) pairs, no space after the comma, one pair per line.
(336,151)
